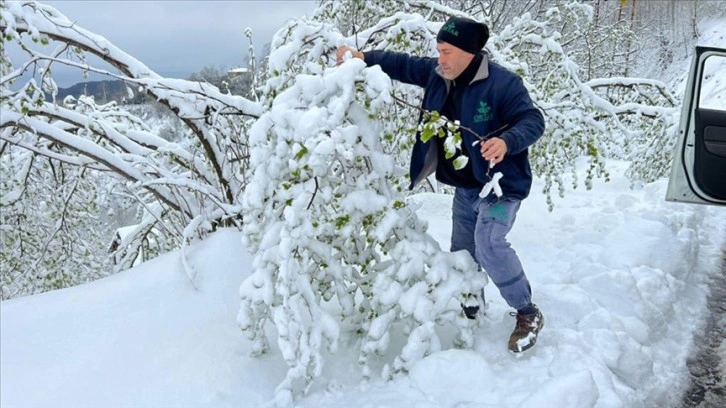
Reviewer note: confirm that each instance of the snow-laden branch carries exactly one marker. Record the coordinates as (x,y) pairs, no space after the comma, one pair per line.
(193,102)
(83,146)
(615,82)
(73,160)
(446,11)
(196,179)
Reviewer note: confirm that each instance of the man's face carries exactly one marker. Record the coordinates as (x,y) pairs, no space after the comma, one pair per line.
(452,60)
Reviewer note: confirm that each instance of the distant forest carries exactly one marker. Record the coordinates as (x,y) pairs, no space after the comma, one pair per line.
(118,91)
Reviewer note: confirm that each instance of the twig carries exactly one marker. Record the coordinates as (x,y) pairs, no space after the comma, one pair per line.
(317,186)
(444,118)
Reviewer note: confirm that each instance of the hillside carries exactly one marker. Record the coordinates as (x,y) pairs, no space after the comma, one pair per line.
(103,92)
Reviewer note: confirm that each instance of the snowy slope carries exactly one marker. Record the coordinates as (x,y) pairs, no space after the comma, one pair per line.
(144,337)
(620,275)
(713,90)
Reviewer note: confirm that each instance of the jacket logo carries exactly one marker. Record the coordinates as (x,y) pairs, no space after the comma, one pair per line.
(483,113)
(450,28)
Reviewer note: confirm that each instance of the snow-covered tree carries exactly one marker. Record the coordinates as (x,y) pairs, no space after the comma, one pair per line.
(54,242)
(333,237)
(187,187)
(615,117)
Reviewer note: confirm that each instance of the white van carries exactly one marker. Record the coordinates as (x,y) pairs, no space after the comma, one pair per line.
(698,172)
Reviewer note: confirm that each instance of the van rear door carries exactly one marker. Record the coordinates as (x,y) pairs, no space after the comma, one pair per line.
(698,172)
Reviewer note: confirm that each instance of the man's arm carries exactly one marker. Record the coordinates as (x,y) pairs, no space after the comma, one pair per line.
(525,120)
(400,67)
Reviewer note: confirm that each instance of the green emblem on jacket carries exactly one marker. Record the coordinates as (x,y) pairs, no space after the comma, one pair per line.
(483,113)
(450,28)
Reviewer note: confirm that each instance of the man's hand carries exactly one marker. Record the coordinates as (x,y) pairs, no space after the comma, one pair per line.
(493,150)
(342,50)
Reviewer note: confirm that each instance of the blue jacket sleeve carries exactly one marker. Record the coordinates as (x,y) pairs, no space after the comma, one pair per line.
(527,122)
(403,67)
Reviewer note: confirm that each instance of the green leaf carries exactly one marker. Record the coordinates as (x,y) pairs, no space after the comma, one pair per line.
(427,133)
(303,151)
(341,221)
(448,152)
(460,162)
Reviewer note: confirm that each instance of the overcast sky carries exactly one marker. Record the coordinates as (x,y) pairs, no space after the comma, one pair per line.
(177,38)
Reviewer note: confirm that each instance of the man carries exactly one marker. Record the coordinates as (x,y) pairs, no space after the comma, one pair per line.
(462,84)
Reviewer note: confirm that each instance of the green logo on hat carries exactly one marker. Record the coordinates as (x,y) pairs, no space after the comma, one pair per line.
(483,113)
(450,28)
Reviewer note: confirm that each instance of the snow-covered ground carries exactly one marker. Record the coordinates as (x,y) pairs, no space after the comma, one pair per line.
(621,276)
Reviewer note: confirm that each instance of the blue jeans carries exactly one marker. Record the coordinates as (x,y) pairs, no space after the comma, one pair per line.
(481,228)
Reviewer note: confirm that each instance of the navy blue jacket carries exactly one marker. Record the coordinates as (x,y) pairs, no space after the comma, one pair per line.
(494,98)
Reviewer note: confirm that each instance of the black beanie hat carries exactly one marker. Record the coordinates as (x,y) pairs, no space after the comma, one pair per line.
(464,33)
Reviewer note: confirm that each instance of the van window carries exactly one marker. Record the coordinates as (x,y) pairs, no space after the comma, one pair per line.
(711,92)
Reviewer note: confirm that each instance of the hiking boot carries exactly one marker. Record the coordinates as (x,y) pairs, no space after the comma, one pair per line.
(525,332)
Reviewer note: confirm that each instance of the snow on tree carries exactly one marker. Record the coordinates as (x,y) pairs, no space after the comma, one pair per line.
(46,245)
(611,117)
(328,225)
(186,187)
